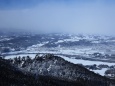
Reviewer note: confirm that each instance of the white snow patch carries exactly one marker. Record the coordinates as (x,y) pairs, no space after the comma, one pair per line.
(101,72)
(86,62)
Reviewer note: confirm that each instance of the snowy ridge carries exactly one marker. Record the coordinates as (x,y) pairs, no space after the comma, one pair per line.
(55,66)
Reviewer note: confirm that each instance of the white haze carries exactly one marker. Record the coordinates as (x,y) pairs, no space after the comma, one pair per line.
(93,18)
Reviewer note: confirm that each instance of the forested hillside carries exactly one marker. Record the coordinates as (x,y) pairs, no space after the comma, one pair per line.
(54,66)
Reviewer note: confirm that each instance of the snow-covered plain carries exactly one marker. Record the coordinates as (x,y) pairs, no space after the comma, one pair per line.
(86,62)
(101,72)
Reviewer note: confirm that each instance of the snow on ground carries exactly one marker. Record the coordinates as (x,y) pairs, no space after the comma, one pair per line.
(72,60)
(21,55)
(85,62)
(5,39)
(75,50)
(101,72)
(67,40)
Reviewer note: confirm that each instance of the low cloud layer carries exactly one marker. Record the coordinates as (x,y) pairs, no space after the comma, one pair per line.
(95,17)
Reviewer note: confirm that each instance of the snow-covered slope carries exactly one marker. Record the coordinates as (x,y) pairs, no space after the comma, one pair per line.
(55,66)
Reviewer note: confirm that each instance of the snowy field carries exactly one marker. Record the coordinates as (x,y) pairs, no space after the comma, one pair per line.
(101,72)
(86,62)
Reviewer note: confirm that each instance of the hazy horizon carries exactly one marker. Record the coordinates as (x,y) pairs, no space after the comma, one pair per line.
(66,16)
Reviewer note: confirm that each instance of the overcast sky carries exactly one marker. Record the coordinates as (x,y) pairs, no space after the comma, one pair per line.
(74,16)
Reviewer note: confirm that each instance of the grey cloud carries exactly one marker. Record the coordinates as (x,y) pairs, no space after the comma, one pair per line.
(86,18)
